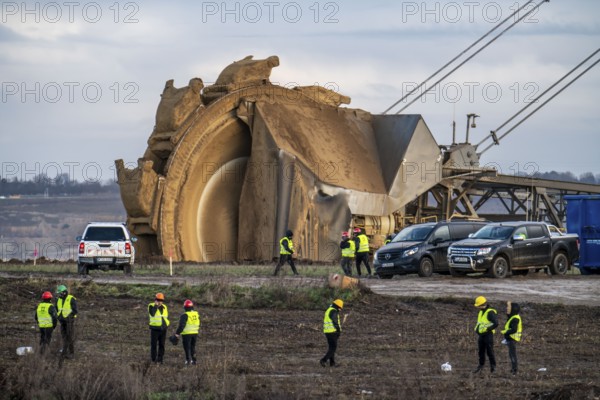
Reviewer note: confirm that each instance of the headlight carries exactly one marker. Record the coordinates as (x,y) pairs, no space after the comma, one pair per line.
(410,252)
(483,251)
(450,250)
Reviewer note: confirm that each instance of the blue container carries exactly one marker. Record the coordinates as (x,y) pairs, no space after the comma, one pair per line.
(583,218)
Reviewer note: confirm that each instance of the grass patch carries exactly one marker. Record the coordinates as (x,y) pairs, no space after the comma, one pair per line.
(270,296)
(218,293)
(180,269)
(50,268)
(100,378)
(32,378)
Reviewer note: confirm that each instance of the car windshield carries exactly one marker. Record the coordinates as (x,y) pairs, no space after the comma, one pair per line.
(413,233)
(493,232)
(97,233)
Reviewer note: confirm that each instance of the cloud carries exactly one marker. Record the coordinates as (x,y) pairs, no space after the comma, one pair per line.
(370,51)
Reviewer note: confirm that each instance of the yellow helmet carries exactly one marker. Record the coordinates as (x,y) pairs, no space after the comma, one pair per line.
(339,303)
(479,301)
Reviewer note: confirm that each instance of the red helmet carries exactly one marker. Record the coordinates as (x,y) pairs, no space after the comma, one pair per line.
(188,303)
(46,296)
(357,230)
(345,234)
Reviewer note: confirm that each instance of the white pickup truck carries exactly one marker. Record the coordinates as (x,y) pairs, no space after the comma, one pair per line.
(105,245)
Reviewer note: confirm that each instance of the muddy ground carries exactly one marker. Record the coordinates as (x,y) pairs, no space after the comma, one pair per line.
(391,348)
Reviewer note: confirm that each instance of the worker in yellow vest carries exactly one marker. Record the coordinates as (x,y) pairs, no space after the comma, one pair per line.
(512,333)
(487,322)
(66,310)
(362,250)
(332,328)
(46,318)
(286,250)
(158,314)
(390,237)
(348,249)
(189,326)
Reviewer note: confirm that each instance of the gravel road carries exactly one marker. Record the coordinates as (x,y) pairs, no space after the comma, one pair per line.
(571,290)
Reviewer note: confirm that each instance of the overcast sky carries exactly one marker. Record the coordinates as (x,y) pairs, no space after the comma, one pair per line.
(81,81)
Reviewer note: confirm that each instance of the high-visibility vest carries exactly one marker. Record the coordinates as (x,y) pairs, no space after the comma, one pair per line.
(483,323)
(349,251)
(386,241)
(157,318)
(43,315)
(363,246)
(328,326)
(64,307)
(282,249)
(517,335)
(192,327)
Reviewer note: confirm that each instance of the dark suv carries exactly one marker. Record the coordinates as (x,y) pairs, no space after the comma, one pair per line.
(422,248)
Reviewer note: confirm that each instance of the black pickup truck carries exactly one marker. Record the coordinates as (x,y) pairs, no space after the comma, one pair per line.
(513,247)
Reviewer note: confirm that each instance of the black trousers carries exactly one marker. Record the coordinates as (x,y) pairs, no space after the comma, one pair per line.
(332,339)
(363,258)
(67,331)
(486,345)
(512,354)
(45,338)
(283,258)
(347,265)
(189,346)
(157,344)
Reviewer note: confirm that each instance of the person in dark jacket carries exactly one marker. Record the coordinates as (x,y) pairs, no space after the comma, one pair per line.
(332,329)
(66,311)
(348,249)
(512,333)
(45,316)
(159,323)
(286,250)
(189,326)
(487,321)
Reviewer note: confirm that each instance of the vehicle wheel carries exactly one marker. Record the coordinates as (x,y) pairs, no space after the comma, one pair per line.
(455,272)
(499,268)
(560,264)
(426,267)
(521,272)
(82,269)
(127,269)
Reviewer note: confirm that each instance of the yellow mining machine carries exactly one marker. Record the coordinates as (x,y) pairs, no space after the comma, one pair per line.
(229,167)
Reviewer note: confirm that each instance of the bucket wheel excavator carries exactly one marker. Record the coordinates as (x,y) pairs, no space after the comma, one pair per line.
(230,167)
